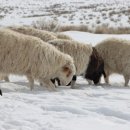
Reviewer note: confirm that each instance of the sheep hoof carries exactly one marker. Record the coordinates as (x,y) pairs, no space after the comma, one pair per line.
(41,84)
(52,89)
(73,87)
(73,84)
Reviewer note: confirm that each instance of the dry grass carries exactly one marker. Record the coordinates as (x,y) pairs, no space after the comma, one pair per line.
(101,29)
(82,28)
(105,29)
(49,25)
(54,26)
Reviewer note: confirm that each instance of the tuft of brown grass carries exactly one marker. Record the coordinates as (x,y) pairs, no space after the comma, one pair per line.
(82,28)
(105,29)
(49,25)
(101,29)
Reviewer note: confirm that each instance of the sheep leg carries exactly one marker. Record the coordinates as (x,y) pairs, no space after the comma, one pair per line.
(126,80)
(48,84)
(104,74)
(73,81)
(90,82)
(41,84)
(54,82)
(31,82)
(6,78)
(58,81)
(107,77)
(0,92)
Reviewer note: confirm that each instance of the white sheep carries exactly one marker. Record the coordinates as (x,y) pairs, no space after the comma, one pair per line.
(116,55)
(27,55)
(44,35)
(86,59)
(80,52)
(62,36)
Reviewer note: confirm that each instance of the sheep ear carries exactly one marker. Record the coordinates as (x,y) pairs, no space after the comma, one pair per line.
(67,71)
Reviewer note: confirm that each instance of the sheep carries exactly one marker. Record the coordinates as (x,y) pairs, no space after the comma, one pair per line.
(115,53)
(27,55)
(95,68)
(62,36)
(42,34)
(81,54)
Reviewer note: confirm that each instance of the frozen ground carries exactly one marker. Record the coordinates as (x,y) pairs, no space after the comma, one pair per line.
(102,107)
(93,39)
(115,13)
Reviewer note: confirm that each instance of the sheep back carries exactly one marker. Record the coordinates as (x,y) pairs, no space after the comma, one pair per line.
(79,51)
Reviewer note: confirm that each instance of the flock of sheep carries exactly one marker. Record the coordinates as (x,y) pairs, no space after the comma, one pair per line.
(49,57)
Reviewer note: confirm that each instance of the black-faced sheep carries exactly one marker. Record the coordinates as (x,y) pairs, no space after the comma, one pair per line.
(84,57)
(95,67)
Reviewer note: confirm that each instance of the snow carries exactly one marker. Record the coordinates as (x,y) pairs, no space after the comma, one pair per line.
(93,13)
(102,107)
(93,39)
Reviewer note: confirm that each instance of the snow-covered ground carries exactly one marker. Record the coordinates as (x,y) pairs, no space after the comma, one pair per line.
(93,39)
(115,13)
(102,107)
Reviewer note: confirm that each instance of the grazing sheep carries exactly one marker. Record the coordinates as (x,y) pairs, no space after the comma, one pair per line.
(116,55)
(95,68)
(81,54)
(42,34)
(63,36)
(26,55)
